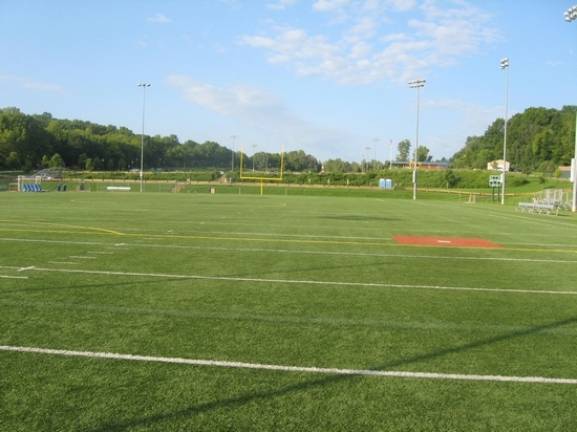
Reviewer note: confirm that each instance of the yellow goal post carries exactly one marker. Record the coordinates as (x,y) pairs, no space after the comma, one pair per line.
(258,176)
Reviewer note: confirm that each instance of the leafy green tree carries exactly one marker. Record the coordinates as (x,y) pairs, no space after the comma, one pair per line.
(45,161)
(423,154)
(56,161)
(534,136)
(89,164)
(404,149)
(335,166)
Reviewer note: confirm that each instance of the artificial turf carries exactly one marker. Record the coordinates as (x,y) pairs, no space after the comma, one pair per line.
(287,280)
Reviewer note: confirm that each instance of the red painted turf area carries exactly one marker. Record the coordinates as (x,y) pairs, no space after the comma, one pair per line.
(458,242)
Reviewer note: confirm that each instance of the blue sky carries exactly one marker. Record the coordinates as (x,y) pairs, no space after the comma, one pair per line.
(326,76)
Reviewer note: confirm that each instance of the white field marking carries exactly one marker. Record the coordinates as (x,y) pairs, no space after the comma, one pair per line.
(63,262)
(296,235)
(102,253)
(359,254)
(308,252)
(21,269)
(299,282)
(298,369)
(562,245)
(81,257)
(548,221)
(13,277)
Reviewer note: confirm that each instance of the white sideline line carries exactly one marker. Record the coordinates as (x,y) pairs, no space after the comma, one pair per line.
(62,262)
(301,369)
(297,282)
(295,235)
(13,277)
(81,257)
(21,269)
(296,251)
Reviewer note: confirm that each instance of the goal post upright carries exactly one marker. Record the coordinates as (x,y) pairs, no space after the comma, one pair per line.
(262,178)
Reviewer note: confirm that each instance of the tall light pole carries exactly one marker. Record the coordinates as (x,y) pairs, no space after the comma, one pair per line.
(144,86)
(234,137)
(416,84)
(571,15)
(375,147)
(367,155)
(505,66)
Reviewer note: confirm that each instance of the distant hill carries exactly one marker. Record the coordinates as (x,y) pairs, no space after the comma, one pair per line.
(539,139)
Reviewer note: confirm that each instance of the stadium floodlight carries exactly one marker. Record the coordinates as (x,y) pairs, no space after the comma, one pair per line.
(570,16)
(504,65)
(416,84)
(144,86)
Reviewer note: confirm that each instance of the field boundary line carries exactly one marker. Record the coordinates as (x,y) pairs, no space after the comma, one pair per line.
(297,369)
(291,281)
(308,252)
(278,240)
(108,231)
(13,277)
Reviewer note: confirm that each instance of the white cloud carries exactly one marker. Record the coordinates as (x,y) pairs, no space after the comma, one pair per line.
(29,84)
(330,5)
(237,100)
(439,33)
(159,18)
(474,118)
(264,114)
(281,4)
(402,5)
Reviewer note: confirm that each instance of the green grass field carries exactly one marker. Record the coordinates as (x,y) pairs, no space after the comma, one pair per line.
(284,280)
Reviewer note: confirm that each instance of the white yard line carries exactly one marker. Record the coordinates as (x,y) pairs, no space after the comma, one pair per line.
(295,282)
(294,235)
(63,262)
(308,252)
(21,269)
(81,257)
(13,277)
(297,369)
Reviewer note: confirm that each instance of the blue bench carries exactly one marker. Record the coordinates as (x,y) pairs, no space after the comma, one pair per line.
(31,187)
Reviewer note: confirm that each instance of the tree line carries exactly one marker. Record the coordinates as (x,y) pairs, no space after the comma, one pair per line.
(538,139)
(30,142)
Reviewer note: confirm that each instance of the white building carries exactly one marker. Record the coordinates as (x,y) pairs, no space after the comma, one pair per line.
(497,165)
